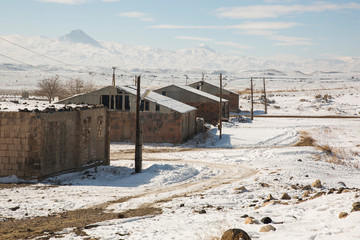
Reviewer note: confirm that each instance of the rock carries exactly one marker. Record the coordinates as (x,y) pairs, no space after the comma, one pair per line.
(343,215)
(120,215)
(285,196)
(264,185)
(249,220)
(319,194)
(244,216)
(242,188)
(14,208)
(317,184)
(235,234)
(202,211)
(307,187)
(356,207)
(266,220)
(306,194)
(267,228)
(182,205)
(331,191)
(342,183)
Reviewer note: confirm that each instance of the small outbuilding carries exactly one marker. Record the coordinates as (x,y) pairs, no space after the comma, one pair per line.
(207,105)
(215,90)
(164,120)
(38,144)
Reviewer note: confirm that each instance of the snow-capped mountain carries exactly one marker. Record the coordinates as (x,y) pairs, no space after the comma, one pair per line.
(79,49)
(78,36)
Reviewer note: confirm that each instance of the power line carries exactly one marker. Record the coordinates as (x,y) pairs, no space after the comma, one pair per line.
(18,45)
(23,63)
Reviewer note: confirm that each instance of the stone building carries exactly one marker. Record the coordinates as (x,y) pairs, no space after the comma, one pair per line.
(215,90)
(164,120)
(207,105)
(41,144)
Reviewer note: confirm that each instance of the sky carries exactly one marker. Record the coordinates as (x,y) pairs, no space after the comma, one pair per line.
(270,29)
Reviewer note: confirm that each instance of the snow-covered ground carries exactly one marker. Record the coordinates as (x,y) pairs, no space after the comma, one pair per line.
(207,185)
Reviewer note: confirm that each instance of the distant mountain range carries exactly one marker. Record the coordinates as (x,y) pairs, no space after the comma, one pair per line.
(79,49)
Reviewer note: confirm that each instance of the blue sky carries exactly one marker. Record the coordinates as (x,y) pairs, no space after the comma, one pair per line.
(280,29)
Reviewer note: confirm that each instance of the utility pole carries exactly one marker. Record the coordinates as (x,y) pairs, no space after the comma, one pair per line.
(113,79)
(220,107)
(138,144)
(265,99)
(203,77)
(252,100)
(186,76)
(135,80)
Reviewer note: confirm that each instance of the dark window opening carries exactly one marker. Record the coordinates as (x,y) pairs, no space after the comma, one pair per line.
(119,102)
(112,102)
(105,100)
(164,93)
(127,103)
(157,107)
(142,106)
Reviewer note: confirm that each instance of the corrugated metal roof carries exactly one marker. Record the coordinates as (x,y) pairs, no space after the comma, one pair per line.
(160,99)
(201,93)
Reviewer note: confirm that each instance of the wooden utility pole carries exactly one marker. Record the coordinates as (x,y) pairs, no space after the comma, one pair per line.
(252,100)
(135,80)
(113,79)
(220,107)
(265,99)
(138,144)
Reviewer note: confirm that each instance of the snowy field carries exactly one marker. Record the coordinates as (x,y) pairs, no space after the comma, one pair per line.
(207,185)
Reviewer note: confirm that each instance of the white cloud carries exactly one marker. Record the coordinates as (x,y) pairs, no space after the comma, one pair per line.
(274,11)
(248,25)
(233,44)
(281,40)
(138,15)
(290,41)
(194,38)
(70,2)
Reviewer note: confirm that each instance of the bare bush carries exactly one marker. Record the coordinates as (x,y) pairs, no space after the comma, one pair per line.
(50,87)
(77,86)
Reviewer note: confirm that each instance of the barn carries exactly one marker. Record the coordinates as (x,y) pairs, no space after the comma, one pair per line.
(164,120)
(215,90)
(207,105)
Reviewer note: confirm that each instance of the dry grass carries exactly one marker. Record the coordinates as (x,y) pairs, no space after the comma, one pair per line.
(334,155)
(305,140)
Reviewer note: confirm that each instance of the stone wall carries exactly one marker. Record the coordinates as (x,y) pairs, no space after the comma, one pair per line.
(156,127)
(37,145)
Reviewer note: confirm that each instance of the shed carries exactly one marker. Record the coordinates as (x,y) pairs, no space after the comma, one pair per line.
(164,120)
(35,144)
(215,90)
(207,105)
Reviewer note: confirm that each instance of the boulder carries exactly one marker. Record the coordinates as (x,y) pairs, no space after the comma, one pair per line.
(267,228)
(249,220)
(306,194)
(343,215)
(317,184)
(356,207)
(285,196)
(235,234)
(266,220)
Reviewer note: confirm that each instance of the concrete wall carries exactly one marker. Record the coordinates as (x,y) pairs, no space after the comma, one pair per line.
(157,127)
(37,145)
